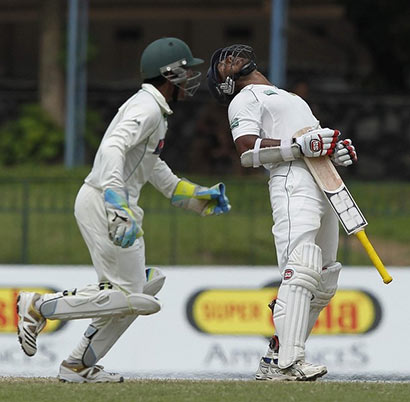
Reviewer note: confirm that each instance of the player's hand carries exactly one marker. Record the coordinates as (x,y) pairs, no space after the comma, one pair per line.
(202,200)
(344,154)
(123,229)
(318,142)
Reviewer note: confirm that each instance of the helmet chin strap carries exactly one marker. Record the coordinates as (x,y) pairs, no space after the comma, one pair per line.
(245,70)
(228,87)
(175,93)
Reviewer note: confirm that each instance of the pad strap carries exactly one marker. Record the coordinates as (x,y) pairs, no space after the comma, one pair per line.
(255,154)
(286,150)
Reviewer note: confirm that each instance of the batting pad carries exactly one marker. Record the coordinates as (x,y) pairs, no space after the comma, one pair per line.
(291,313)
(291,320)
(324,293)
(155,281)
(91,302)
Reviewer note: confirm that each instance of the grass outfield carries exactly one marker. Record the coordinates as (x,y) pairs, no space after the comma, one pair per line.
(37,208)
(44,390)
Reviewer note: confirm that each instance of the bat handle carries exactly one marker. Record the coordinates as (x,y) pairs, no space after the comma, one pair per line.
(361,235)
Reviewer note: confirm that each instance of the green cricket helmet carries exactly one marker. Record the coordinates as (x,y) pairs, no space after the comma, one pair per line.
(171,58)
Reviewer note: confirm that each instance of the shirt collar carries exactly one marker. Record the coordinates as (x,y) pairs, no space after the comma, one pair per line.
(158,97)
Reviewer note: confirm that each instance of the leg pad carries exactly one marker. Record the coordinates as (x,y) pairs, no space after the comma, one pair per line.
(291,312)
(91,302)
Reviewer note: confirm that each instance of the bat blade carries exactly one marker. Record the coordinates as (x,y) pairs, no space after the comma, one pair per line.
(336,192)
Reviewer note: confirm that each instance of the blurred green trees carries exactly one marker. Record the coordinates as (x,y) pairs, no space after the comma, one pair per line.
(32,138)
(35,138)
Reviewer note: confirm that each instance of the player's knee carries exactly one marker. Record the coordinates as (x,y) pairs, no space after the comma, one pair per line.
(327,285)
(330,275)
(304,267)
(143,304)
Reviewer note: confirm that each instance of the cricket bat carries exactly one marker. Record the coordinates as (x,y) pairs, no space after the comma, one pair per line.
(345,207)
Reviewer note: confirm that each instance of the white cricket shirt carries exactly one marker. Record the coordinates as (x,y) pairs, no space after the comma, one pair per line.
(268,112)
(128,155)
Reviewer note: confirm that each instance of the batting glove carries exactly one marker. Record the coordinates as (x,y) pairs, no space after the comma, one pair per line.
(123,228)
(345,153)
(220,205)
(318,142)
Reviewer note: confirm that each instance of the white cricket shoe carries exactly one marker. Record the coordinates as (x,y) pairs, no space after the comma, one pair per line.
(74,372)
(30,322)
(299,371)
(262,371)
(265,364)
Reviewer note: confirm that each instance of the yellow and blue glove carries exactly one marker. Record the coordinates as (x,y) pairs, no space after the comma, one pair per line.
(123,228)
(202,200)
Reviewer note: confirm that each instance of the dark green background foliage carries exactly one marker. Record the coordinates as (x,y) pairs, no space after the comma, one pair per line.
(33,137)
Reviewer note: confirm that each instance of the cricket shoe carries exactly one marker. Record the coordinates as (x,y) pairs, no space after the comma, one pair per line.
(76,372)
(266,362)
(30,322)
(299,371)
(263,369)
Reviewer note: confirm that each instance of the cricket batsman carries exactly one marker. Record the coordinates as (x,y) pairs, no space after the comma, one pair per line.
(266,123)
(110,219)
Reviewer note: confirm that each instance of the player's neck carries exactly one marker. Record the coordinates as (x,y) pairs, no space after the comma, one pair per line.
(166,90)
(255,78)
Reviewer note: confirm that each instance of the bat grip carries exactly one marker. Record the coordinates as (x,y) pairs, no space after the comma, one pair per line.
(377,262)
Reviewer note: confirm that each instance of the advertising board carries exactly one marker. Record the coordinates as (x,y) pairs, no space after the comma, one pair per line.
(215,323)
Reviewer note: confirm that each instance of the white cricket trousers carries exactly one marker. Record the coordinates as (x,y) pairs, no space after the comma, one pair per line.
(124,267)
(301,213)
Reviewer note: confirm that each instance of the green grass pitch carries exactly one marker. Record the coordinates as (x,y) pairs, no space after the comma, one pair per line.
(49,389)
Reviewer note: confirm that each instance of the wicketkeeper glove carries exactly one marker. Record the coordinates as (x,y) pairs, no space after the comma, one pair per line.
(123,228)
(318,142)
(345,153)
(202,200)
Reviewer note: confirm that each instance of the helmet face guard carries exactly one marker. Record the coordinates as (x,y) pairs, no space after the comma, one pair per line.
(223,91)
(178,75)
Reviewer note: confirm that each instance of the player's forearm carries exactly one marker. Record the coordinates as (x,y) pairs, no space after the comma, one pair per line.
(163,179)
(255,151)
(247,142)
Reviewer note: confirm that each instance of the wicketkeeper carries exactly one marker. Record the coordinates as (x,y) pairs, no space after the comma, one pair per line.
(110,220)
(266,123)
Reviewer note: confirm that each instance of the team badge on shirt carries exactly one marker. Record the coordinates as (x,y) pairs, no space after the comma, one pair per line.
(234,123)
(269,92)
(159,147)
